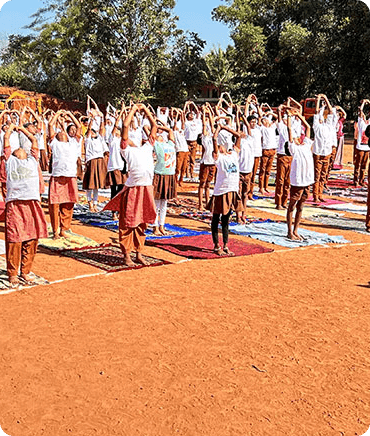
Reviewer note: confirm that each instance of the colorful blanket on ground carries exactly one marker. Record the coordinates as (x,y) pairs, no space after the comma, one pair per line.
(109,258)
(275,233)
(173,232)
(2,246)
(269,206)
(201,247)
(347,207)
(72,241)
(4,281)
(342,223)
(353,194)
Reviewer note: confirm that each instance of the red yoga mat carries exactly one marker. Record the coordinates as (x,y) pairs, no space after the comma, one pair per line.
(201,247)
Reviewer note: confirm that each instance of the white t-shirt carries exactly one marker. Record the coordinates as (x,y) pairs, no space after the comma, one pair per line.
(180,141)
(65,155)
(283,137)
(22,179)
(207,144)
(246,156)
(269,137)
(95,148)
(115,161)
(78,144)
(227,178)
(302,171)
(225,138)
(25,143)
(13,141)
(140,165)
(323,138)
(257,141)
(361,145)
(136,136)
(193,129)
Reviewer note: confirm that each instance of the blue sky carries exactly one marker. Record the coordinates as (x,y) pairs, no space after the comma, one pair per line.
(194,15)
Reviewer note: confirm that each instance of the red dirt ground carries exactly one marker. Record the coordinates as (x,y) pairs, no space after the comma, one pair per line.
(271,344)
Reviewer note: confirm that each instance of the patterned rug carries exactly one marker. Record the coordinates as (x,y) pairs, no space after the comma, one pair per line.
(201,247)
(109,258)
(4,282)
(69,243)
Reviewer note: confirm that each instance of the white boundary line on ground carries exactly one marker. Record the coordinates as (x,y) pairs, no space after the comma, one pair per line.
(20,289)
(336,246)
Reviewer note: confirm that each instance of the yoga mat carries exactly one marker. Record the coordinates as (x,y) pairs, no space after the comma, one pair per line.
(2,246)
(201,247)
(108,258)
(267,205)
(174,232)
(275,233)
(72,241)
(348,207)
(5,284)
(358,226)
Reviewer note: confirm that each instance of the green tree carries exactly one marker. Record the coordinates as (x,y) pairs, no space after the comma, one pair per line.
(220,72)
(299,47)
(109,48)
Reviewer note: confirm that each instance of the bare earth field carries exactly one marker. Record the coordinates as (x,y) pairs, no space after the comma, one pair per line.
(271,344)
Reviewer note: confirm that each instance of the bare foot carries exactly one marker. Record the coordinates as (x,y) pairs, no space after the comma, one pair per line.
(297,236)
(115,216)
(128,261)
(96,210)
(91,206)
(27,278)
(279,207)
(201,208)
(267,191)
(14,281)
(291,236)
(162,231)
(321,200)
(140,259)
(63,234)
(56,236)
(156,232)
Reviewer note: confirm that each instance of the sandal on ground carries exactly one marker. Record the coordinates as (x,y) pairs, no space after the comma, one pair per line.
(228,252)
(218,251)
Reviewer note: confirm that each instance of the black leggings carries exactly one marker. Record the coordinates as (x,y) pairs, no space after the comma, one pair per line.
(224,226)
(114,190)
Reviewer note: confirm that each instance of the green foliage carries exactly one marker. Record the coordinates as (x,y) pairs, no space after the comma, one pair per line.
(220,72)
(110,49)
(300,47)
(184,73)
